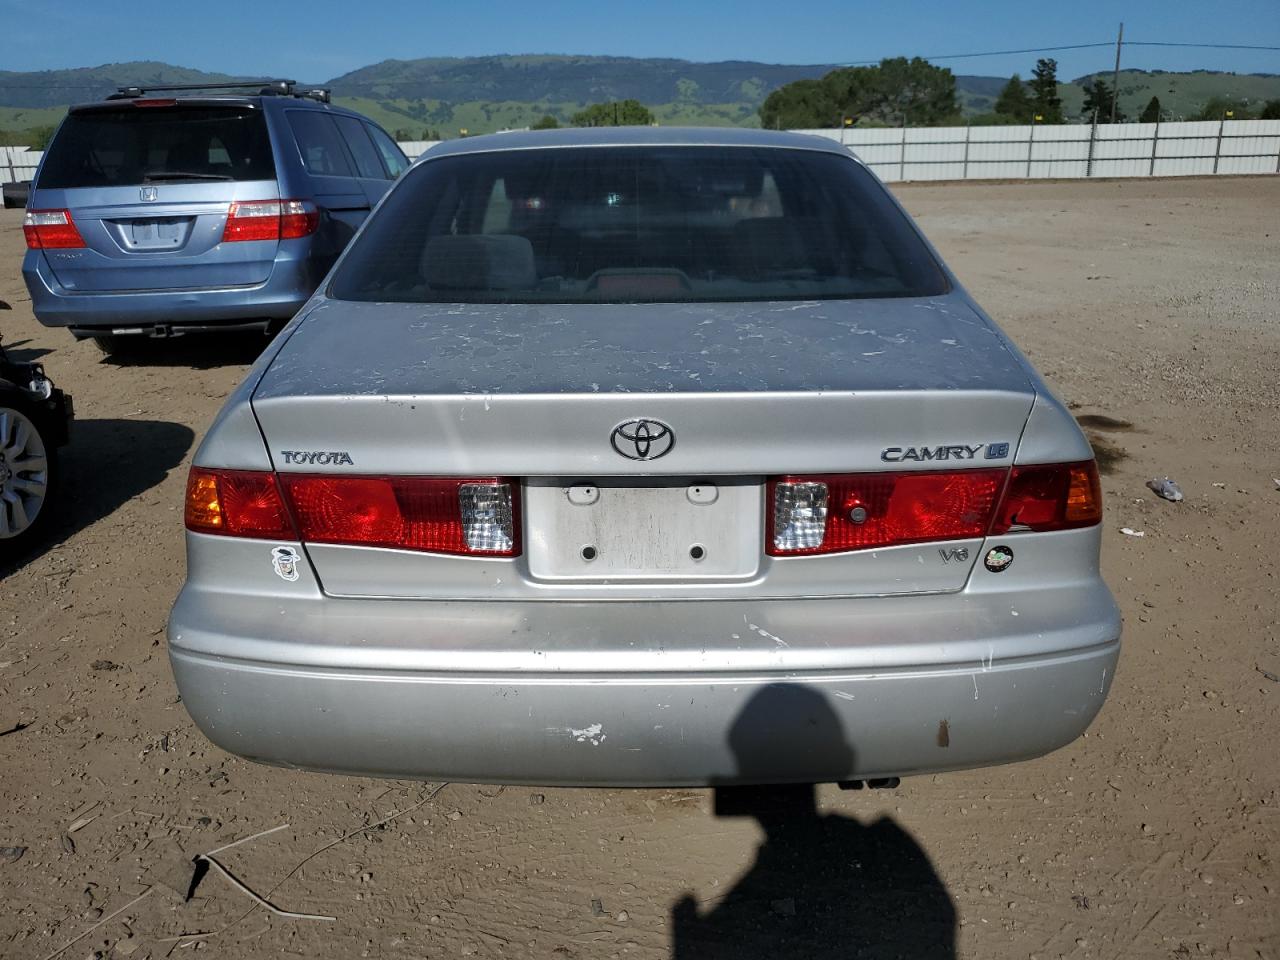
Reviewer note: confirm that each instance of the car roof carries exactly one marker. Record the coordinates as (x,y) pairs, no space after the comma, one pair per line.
(636,136)
(232,100)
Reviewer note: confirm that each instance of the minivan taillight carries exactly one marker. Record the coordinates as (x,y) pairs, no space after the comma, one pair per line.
(835,513)
(433,514)
(270,220)
(51,230)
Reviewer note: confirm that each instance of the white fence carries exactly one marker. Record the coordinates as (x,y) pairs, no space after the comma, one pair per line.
(18,163)
(1183,148)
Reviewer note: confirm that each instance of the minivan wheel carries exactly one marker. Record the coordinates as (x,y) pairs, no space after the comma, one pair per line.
(122,346)
(27,471)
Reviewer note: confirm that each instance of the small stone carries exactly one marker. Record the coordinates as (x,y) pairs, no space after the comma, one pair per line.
(366,877)
(623,916)
(104,665)
(536,799)
(93,913)
(1206,878)
(597,907)
(1237,900)
(455,815)
(68,844)
(11,854)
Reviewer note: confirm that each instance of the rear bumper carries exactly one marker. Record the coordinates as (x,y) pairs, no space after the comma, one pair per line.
(334,689)
(290,285)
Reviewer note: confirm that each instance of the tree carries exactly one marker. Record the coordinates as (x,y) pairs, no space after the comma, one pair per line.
(1014,101)
(801,104)
(1151,112)
(616,113)
(1270,111)
(1044,91)
(1217,108)
(896,91)
(546,122)
(1098,97)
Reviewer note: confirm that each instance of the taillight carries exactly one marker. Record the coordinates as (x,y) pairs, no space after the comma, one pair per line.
(270,220)
(435,515)
(237,503)
(51,230)
(1055,496)
(838,513)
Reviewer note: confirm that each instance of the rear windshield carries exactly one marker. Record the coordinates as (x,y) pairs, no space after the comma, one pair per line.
(136,145)
(630,224)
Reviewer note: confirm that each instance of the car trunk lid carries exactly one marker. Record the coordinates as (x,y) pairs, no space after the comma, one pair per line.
(749,390)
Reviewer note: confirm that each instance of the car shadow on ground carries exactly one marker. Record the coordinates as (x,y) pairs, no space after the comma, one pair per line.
(196,351)
(822,885)
(19,352)
(105,464)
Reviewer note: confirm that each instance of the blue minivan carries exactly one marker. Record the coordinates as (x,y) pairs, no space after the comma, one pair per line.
(164,211)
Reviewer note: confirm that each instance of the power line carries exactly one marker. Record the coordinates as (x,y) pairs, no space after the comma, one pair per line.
(992,53)
(1208,46)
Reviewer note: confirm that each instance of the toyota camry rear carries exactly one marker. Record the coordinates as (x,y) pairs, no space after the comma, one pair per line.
(643,457)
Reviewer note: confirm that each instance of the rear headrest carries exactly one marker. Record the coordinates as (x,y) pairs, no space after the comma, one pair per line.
(479,262)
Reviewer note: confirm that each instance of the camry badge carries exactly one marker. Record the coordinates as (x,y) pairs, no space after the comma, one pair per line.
(643,439)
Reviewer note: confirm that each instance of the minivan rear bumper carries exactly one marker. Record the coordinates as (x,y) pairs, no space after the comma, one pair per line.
(351,697)
(278,298)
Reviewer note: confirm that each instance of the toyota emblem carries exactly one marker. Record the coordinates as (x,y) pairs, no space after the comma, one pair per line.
(643,439)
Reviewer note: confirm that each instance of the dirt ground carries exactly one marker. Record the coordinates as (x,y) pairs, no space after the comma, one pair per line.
(1152,306)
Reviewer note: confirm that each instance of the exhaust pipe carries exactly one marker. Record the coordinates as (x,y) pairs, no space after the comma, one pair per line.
(882,783)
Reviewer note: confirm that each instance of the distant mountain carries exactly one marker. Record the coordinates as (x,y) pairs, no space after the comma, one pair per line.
(58,88)
(568,79)
(481,94)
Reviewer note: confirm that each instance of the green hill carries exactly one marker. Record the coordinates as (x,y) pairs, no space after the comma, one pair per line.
(482,94)
(1181,94)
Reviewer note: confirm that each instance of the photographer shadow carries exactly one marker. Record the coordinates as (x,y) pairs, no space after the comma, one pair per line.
(822,885)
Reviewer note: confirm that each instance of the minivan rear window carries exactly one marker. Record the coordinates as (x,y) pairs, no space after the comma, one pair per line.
(621,224)
(134,145)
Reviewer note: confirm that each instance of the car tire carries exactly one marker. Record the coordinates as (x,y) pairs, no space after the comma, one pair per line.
(109,345)
(26,495)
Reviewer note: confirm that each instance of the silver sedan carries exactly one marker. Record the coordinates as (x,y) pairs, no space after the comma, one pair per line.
(643,457)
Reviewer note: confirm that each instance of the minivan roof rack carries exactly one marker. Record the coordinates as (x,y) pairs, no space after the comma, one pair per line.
(266,88)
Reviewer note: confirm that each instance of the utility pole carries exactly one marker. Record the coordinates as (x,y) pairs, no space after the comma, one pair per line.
(1115,77)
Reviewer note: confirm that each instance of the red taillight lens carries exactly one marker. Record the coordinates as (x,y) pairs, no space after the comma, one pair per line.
(270,220)
(298,218)
(51,230)
(237,503)
(437,515)
(838,513)
(1055,496)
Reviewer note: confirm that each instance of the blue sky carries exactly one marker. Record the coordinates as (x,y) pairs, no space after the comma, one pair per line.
(314,40)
